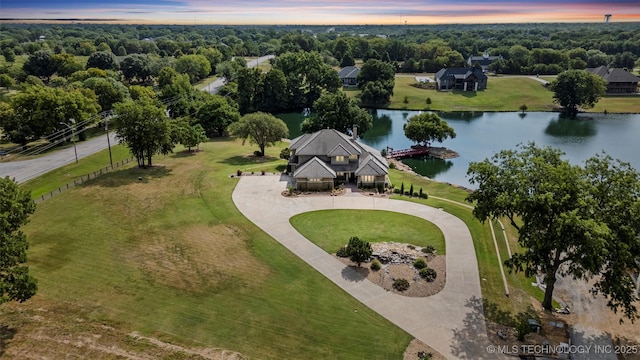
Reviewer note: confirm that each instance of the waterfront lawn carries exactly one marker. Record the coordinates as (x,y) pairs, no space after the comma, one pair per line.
(618,104)
(172,258)
(331,229)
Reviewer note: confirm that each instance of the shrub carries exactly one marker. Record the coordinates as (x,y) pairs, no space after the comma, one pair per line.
(380,188)
(342,252)
(420,263)
(359,250)
(290,188)
(258,153)
(415,194)
(239,172)
(396,191)
(407,193)
(392,166)
(411,247)
(261,172)
(428,274)
(429,249)
(411,190)
(375,265)
(424,195)
(401,284)
(402,189)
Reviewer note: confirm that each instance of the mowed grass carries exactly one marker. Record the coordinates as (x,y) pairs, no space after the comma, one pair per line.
(503,93)
(171,257)
(331,229)
(521,291)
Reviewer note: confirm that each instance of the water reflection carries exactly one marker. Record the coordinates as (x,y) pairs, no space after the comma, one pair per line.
(380,130)
(564,127)
(429,167)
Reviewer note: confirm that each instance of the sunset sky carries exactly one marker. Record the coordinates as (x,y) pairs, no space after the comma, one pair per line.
(320,12)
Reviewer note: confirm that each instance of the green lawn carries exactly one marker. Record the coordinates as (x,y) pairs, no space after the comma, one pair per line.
(331,229)
(171,257)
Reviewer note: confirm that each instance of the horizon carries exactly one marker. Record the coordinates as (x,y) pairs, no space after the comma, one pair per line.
(317,13)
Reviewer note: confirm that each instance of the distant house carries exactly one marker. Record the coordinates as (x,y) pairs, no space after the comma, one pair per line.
(483,61)
(327,158)
(466,79)
(349,75)
(619,81)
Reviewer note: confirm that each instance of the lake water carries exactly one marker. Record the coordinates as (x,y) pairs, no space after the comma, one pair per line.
(482,134)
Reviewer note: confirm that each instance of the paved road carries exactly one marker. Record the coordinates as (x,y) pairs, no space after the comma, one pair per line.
(452,321)
(26,170)
(214,86)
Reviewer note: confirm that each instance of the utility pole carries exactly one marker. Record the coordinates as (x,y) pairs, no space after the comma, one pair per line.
(73,121)
(106,128)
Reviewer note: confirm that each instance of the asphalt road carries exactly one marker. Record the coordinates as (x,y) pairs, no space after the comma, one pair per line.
(26,170)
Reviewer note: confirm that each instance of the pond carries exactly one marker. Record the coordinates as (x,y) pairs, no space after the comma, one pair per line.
(482,134)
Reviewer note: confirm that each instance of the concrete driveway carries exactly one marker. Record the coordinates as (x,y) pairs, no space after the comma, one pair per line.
(452,321)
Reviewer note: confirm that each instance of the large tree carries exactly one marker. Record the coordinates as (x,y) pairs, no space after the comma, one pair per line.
(566,217)
(16,205)
(144,127)
(260,128)
(102,60)
(136,67)
(196,66)
(108,90)
(215,115)
(40,64)
(376,80)
(426,128)
(337,111)
(577,88)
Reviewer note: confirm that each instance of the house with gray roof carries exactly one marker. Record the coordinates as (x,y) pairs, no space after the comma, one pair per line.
(483,60)
(349,75)
(619,81)
(466,79)
(326,158)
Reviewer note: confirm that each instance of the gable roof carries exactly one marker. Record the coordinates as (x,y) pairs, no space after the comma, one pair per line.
(613,75)
(339,150)
(314,169)
(324,141)
(371,166)
(348,72)
(483,60)
(460,73)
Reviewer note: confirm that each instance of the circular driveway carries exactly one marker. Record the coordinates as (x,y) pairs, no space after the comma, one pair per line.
(451,322)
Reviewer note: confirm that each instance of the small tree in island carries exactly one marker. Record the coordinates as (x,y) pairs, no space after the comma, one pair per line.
(260,128)
(426,128)
(358,250)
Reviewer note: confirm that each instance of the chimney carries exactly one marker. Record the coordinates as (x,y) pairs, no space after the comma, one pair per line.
(355,132)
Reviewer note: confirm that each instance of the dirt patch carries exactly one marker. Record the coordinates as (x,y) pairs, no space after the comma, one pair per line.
(197,259)
(419,350)
(418,287)
(41,329)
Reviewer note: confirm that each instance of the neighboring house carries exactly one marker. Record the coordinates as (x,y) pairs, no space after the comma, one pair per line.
(619,81)
(327,158)
(349,75)
(484,60)
(467,79)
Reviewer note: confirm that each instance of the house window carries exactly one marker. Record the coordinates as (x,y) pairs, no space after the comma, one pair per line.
(367,178)
(315,180)
(353,157)
(339,158)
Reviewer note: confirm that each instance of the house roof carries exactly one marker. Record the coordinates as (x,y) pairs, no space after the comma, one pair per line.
(614,75)
(371,166)
(339,150)
(483,60)
(460,73)
(324,141)
(348,72)
(314,169)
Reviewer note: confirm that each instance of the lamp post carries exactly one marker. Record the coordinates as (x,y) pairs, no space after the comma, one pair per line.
(106,128)
(73,121)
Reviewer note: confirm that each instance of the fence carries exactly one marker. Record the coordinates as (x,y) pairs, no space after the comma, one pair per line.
(81,180)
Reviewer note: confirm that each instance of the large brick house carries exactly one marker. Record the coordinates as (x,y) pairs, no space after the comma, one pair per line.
(327,158)
(466,79)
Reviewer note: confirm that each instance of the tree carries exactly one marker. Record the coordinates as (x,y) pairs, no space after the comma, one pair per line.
(196,66)
(9,55)
(15,281)
(108,91)
(347,60)
(189,135)
(261,128)
(136,67)
(382,76)
(40,64)
(426,128)
(577,88)
(428,103)
(523,108)
(358,250)
(144,127)
(65,64)
(215,115)
(102,60)
(337,111)
(6,81)
(570,221)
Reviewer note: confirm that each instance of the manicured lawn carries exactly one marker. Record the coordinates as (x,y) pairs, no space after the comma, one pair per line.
(331,229)
(171,257)
(491,283)
(618,104)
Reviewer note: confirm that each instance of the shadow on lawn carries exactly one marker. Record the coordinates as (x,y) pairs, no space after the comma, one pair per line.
(248,160)
(130,176)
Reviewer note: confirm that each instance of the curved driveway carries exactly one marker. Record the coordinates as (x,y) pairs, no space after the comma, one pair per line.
(452,321)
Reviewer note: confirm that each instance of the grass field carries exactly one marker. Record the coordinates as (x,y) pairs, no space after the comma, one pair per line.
(172,258)
(331,229)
